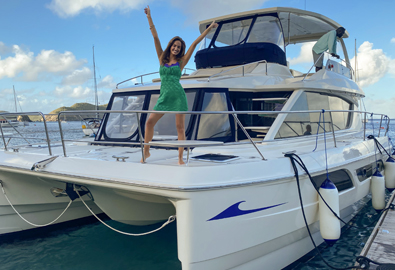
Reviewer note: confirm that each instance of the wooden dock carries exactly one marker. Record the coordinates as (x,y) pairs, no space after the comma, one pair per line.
(380,246)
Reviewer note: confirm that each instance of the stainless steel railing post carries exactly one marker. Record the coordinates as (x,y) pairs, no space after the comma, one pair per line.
(381,121)
(61,135)
(364,127)
(333,131)
(140,136)
(46,134)
(2,136)
(248,136)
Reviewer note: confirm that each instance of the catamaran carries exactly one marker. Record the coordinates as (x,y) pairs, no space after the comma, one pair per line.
(236,201)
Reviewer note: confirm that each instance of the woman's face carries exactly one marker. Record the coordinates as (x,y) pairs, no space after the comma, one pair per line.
(175,48)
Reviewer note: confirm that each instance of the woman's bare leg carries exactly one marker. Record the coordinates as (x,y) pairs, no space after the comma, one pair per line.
(149,132)
(180,124)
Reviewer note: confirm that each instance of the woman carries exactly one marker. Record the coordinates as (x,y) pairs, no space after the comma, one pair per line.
(172,96)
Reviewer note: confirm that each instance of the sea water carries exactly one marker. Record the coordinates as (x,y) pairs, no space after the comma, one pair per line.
(88,244)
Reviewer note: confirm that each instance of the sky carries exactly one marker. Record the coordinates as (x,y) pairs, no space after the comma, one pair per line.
(46,46)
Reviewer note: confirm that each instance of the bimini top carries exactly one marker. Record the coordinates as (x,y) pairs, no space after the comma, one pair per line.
(298,25)
(259,35)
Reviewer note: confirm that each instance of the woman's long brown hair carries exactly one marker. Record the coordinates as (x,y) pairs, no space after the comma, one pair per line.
(165,57)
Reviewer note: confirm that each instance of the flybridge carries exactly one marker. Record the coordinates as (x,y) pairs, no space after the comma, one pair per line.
(260,35)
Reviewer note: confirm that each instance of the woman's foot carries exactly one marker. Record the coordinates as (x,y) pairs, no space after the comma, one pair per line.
(181,162)
(146,155)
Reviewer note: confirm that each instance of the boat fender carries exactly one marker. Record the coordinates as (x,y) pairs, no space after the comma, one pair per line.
(329,223)
(389,174)
(377,187)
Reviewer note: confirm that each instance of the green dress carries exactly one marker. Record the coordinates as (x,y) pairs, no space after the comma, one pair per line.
(172,96)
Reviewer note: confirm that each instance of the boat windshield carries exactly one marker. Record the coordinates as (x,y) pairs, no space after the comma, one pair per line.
(267,29)
(124,125)
(264,29)
(302,124)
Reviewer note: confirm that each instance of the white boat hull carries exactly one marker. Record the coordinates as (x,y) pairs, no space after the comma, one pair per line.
(90,131)
(32,198)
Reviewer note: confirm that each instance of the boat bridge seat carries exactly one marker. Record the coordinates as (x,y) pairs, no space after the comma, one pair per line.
(239,55)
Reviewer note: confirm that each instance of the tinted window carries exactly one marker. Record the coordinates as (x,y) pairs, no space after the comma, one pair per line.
(214,125)
(309,123)
(167,124)
(267,29)
(232,33)
(124,125)
(340,178)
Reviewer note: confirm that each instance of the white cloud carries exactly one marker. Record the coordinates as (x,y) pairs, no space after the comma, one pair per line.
(195,10)
(206,9)
(393,40)
(79,76)
(107,82)
(78,92)
(69,8)
(373,64)
(386,106)
(305,55)
(29,67)
(4,49)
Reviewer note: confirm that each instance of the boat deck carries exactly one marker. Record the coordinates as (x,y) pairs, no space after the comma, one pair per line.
(380,246)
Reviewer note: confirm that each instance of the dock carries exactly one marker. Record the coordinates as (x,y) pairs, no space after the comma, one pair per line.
(380,246)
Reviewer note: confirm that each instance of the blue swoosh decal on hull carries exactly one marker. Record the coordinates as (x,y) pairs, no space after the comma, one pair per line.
(234,211)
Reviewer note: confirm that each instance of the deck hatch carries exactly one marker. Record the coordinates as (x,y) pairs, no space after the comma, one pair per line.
(215,157)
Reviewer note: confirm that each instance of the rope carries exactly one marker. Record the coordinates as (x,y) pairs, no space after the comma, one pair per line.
(170,220)
(378,144)
(35,225)
(363,261)
(304,215)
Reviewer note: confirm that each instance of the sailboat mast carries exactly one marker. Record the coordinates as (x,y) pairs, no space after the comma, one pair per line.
(16,108)
(94,77)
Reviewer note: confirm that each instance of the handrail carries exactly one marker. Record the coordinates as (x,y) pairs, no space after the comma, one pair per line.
(233,113)
(143,75)
(242,66)
(139,112)
(29,113)
(322,55)
(139,76)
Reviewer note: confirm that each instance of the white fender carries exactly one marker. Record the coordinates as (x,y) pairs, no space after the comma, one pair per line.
(377,187)
(389,174)
(329,223)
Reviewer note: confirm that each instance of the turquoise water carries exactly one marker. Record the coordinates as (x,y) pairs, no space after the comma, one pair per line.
(88,244)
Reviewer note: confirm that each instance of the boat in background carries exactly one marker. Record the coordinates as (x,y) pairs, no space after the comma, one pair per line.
(237,200)
(90,126)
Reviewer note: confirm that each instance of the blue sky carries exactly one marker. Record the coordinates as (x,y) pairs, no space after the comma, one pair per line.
(46,45)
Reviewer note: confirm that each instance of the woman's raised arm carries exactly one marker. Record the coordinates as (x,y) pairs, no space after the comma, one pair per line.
(189,53)
(158,46)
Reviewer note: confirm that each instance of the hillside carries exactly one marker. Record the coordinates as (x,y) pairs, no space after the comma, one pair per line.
(53,116)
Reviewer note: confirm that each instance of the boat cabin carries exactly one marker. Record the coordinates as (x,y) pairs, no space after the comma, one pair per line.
(253,46)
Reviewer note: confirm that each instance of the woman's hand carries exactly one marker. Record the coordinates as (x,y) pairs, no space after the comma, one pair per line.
(213,25)
(147,11)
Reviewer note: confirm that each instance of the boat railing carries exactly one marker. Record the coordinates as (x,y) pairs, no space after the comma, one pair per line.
(342,60)
(234,114)
(384,124)
(148,74)
(4,115)
(242,72)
